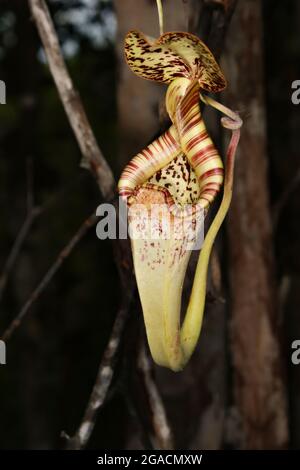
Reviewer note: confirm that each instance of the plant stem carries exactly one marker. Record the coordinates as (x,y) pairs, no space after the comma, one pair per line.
(160,16)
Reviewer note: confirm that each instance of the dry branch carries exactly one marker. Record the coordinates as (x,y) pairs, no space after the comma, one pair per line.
(88,223)
(91,153)
(103,380)
(163,438)
(32,213)
(95,162)
(17,246)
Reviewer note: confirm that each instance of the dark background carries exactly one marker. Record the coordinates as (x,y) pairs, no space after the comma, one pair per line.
(53,356)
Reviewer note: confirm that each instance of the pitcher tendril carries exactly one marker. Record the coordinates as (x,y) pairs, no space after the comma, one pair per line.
(182,172)
(160,16)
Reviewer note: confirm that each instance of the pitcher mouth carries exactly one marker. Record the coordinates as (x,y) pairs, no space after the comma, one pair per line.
(150,194)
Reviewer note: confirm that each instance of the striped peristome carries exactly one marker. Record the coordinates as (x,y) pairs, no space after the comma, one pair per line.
(150,160)
(198,146)
(187,136)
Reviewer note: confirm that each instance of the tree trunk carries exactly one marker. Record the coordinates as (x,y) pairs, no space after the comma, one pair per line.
(259,388)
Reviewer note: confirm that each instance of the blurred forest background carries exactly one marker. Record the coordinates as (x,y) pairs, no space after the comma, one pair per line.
(240,389)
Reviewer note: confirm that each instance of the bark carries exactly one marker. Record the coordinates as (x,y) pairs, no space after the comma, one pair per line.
(259,389)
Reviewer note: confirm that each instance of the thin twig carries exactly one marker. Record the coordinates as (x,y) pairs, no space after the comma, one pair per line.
(123,259)
(32,213)
(88,223)
(92,155)
(94,160)
(30,184)
(160,16)
(17,246)
(163,438)
(103,380)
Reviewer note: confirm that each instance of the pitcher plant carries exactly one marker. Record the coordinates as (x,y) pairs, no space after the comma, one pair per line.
(180,172)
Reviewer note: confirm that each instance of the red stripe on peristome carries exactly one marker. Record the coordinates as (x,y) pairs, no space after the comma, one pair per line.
(214,171)
(188,105)
(147,153)
(170,141)
(196,140)
(160,143)
(205,159)
(171,138)
(203,153)
(210,191)
(191,95)
(188,101)
(131,164)
(193,121)
(125,193)
(211,155)
(213,186)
